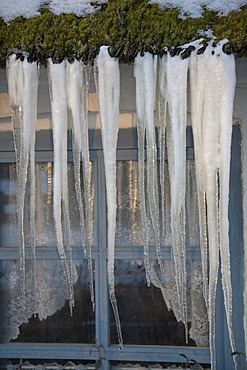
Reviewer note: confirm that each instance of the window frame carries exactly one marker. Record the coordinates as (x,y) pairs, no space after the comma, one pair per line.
(127,150)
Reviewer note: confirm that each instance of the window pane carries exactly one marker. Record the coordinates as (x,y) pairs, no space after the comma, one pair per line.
(150,316)
(45,231)
(129,227)
(53,322)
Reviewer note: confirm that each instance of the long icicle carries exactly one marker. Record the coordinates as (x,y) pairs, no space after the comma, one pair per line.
(107,78)
(30,105)
(177,70)
(58,96)
(141,131)
(145,73)
(197,83)
(162,122)
(212,128)
(23,88)
(77,88)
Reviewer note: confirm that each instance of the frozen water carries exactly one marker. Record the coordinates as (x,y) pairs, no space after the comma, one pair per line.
(58,96)
(161,123)
(77,89)
(23,88)
(177,70)
(212,110)
(146,74)
(107,78)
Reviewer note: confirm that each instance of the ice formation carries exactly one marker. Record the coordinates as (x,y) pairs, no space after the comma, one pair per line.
(211,113)
(177,71)
(23,89)
(161,123)
(77,89)
(145,70)
(58,96)
(107,80)
(163,80)
(172,93)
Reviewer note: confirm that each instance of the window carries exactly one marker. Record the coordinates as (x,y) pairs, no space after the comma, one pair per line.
(151,332)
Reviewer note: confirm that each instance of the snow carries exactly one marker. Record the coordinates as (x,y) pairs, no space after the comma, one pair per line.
(11,9)
(194,8)
(78,7)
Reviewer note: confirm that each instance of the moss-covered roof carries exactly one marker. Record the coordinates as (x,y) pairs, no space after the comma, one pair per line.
(127,26)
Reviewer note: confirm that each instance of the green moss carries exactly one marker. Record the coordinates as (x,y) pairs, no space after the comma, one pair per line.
(127,26)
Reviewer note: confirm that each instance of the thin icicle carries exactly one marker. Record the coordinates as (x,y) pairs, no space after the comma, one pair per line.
(162,122)
(30,105)
(145,73)
(212,109)
(58,96)
(107,79)
(23,88)
(77,88)
(141,130)
(177,70)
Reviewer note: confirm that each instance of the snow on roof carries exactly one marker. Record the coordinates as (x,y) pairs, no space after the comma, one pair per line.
(10,9)
(194,8)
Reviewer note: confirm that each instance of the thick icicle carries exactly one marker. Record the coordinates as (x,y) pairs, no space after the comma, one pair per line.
(197,82)
(212,109)
(107,79)
(177,70)
(23,88)
(77,88)
(58,96)
(145,73)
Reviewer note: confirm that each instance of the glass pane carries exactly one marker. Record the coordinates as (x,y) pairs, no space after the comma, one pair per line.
(45,231)
(53,322)
(129,227)
(151,316)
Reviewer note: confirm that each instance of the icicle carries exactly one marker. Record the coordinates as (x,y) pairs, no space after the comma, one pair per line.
(58,96)
(107,79)
(77,87)
(212,109)
(162,122)
(177,69)
(145,73)
(197,82)
(141,130)
(23,88)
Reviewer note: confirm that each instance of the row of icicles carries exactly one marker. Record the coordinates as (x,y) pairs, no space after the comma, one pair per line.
(162,102)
